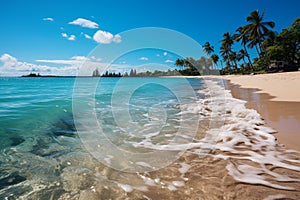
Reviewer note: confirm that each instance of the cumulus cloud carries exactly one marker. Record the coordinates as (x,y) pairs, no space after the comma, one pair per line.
(12,67)
(117,38)
(144,58)
(84,23)
(6,58)
(104,37)
(165,53)
(48,19)
(169,61)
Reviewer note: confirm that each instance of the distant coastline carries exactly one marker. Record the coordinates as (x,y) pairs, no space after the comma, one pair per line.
(33,75)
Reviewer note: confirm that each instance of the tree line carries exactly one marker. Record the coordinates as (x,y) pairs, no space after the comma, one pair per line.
(268,44)
(187,67)
(134,73)
(191,67)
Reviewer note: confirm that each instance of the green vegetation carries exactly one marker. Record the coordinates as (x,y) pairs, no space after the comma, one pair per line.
(96,73)
(271,48)
(192,67)
(269,45)
(188,67)
(134,73)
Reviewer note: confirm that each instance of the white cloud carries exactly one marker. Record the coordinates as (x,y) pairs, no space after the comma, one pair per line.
(84,65)
(6,58)
(169,61)
(165,53)
(64,35)
(117,38)
(72,37)
(62,62)
(87,36)
(157,55)
(95,58)
(12,67)
(151,67)
(81,58)
(48,19)
(144,58)
(104,37)
(84,23)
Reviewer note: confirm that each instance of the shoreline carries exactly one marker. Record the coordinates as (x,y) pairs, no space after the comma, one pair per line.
(280,86)
(275,98)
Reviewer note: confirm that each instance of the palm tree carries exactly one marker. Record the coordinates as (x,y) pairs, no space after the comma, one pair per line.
(241,55)
(233,58)
(225,53)
(257,29)
(215,58)
(227,40)
(180,63)
(225,49)
(270,36)
(208,48)
(242,36)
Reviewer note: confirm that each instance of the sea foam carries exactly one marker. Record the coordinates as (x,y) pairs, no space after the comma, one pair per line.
(237,133)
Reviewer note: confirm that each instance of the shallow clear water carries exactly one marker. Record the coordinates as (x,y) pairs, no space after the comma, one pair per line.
(31,106)
(38,133)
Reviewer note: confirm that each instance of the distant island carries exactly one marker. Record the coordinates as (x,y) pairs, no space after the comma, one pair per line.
(34,75)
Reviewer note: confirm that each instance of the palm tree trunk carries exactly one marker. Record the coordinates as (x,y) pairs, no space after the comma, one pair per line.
(260,46)
(248,57)
(257,50)
(244,60)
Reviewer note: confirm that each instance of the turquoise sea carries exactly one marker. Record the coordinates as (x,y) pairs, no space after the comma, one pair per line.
(40,150)
(135,138)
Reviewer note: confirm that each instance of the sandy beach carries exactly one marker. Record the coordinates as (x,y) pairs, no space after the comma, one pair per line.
(281,86)
(276,97)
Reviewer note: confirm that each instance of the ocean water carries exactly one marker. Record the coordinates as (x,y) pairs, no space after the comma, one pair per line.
(137,138)
(39,135)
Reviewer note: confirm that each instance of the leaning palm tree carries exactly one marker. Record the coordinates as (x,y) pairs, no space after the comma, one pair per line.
(256,28)
(208,48)
(242,36)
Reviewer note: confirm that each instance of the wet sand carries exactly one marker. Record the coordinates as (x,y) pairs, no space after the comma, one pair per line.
(281,112)
(283,116)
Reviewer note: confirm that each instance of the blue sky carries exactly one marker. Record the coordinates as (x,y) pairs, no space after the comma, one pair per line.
(53,36)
